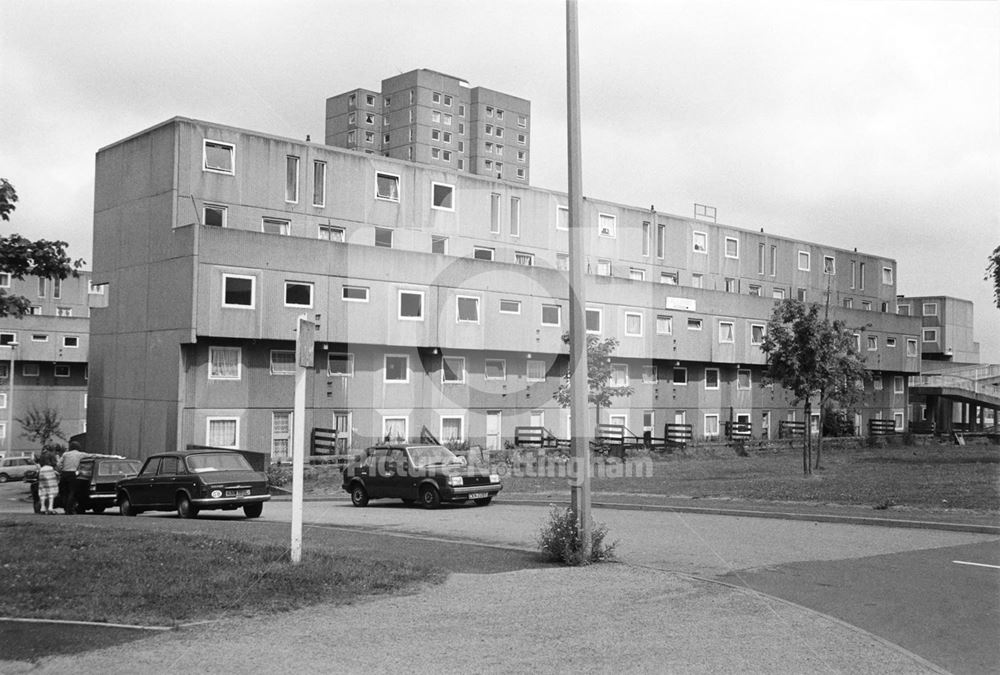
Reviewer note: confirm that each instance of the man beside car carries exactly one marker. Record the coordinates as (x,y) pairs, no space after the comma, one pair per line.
(68,464)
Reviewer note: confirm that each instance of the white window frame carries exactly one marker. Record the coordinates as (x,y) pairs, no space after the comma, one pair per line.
(912,347)
(67,338)
(732,332)
(399,304)
(523,258)
(749,375)
(461,428)
(385,368)
(220,208)
(515,216)
(452,196)
(460,373)
(932,332)
(253,291)
(650,374)
(330,231)
(872,343)
(509,311)
(39,337)
(319,183)
(669,324)
(607,225)
(718,379)
(483,249)
(383,230)
(673,376)
(617,369)
(458,303)
(399,188)
(636,274)
(284,226)
(625,327)
(695,235)
(528,366)
(830,265)
(695,324)
(736,244)
(344,289)
(600,320)
(292,189)
(763,333)
(933,311)
(558,309)
(307,284)
(604,267)
(806,258)
(503,369)
(559,219)
(63,368)
(228,418)
(898,384)
(221,144)
(391,418)
(280,371)
(348,361)
(714,417)
(888,278)
(30,370)
(212,349)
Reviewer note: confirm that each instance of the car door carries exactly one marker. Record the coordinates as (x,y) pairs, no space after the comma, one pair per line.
(397,476)
(164,484)
(141,490)
(373,472)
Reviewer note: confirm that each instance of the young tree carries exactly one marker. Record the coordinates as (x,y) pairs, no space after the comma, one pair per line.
(41,426)
(812,357)
(22,257)
(598,375)
(993,274)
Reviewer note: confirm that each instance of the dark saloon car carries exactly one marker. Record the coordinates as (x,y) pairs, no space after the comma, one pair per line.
(96,480)
(193,481)
(430,474)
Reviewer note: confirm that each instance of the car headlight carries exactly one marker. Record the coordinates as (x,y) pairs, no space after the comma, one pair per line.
(216,494)
(494,478)
(456,481)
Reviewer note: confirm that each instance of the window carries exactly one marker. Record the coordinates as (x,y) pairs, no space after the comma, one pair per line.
(697,281)
(898,384)
(340,364)
(866,305)
(394,429)
(711,426)
(282,362)
(482,253)
(872,343)
(732,285)
(34,310)
(495,369)
(848,303)
(699,242)
(650,374)
(215,215)
(761,257)
(636,274)
(606,225)
(743,379)
(669,278)
(355,293)
(467,309)
(726,332)
(510,306)
(711,378)
(291,179)
(71,341)
(435,134)
(435,97)
(383,237)
(39,337)
(694,324)
(551,315)
(62,370)
(562,218)
(451,428)
(680,376)
(237,291)
(619,375)
(562,261)
(603,267)
(64,311)
(319,183)
(8,338)
(890,342)
(887,276)
(222,432)
(877,383)
(369,99)
(829,264)
(95,289)
(593,320)
(453,370)
(397,368)
(930,335)
(443,196)
(903,310)
(332,233)
(633,324)
(857,342)
(521,258)
(219,157)
(754,289)
(281,435)
(30,370)
(41,287)
(645,237)
(898,420)
(536,370)
(224,363)
(515,216)
(930,309)
(804,261)
(774,260)
(387,187)
(732,247)
(411,305)
(661,240)
(439,244)
(275,226)
(911,347)
(664,324)
(494,211)
(801,294)
(757,333)
(369,137)
(298,294)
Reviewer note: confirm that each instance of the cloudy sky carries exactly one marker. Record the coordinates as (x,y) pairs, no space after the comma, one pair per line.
(870,124)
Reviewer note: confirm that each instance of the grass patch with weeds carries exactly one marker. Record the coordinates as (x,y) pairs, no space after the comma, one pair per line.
(53,568)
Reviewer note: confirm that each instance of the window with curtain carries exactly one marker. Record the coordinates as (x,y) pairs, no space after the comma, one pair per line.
(224,363)
(222,432)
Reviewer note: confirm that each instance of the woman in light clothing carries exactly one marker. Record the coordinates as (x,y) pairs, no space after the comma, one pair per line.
(48,487)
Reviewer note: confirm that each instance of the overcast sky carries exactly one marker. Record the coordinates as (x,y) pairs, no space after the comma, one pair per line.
(868,124)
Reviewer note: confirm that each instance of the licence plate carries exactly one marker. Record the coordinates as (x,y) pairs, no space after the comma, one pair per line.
(238,493)
(478,495)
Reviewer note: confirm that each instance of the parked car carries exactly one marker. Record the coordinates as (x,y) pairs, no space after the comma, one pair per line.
(94,488)
(429,473)
(14,468)
(193,481)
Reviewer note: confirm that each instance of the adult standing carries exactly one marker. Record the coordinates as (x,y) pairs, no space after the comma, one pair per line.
(68,464)
(48,485)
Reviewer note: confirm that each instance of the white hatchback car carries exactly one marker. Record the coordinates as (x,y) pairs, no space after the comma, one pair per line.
(14,468)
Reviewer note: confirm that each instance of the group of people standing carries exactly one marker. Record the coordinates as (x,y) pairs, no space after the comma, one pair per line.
(55,477)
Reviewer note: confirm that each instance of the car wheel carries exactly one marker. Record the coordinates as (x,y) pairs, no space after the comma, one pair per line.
(359,495)
(125,506)
(429,497)
(4,478)
(253,510)
(98,509)
(485,501)
(185,509)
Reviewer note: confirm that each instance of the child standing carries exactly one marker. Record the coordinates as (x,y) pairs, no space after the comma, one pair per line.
(48,487)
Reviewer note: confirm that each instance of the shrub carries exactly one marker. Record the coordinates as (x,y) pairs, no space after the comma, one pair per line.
(559,540)
(278,475)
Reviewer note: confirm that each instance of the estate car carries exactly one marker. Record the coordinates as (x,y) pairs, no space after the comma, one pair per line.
(193,481)
(94,487)
(429,473)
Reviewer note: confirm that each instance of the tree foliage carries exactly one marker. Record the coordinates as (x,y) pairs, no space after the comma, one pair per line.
(812,358)
(41,425)
(993,274)
(21,257)
(600,391)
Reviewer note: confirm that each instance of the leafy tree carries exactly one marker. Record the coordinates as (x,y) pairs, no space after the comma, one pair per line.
(812,357)
(22,257)
(993,274)
(41,425)
(598,375)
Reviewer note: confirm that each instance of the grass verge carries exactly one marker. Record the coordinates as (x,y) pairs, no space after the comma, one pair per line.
(52,568)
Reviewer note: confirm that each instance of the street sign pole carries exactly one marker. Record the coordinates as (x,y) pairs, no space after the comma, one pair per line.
(304,352)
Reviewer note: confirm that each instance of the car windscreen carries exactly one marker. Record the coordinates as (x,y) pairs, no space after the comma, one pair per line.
(217,461)
(118,468)
(431,455)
